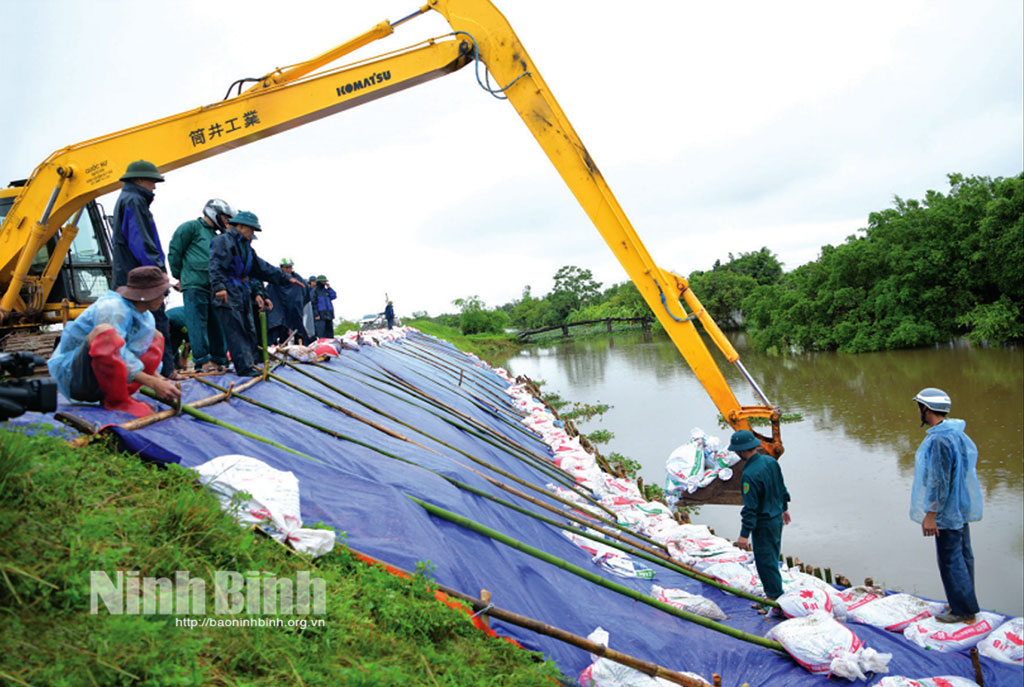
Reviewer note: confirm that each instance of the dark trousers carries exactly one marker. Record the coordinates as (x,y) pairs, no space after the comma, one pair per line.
(956,568)
(205,334)
(325,327)
(163,325)
(236,321)
(766,541)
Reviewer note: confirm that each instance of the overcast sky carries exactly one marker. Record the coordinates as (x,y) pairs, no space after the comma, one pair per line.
(720,127)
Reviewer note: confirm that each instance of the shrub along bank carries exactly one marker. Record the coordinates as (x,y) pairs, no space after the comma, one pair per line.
(67,512)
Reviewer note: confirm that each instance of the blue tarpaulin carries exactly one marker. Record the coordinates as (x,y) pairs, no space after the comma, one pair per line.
(351,486)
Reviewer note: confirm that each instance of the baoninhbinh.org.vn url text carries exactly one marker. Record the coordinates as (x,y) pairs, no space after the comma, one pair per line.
(192,622)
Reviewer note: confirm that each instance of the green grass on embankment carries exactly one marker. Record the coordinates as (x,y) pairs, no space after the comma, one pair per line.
(65,512)
(490,347)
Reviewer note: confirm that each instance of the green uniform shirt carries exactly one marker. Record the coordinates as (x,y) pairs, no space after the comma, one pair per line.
(764,492)
(189,255)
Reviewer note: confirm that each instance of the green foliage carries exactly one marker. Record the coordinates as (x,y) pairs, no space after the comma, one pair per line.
(342,326)
(632,467)
(921,273)
(554,400)
(494,348)
(68,512)
(576,297)
(584,411)
(721,289)
(476,319)
(601,436)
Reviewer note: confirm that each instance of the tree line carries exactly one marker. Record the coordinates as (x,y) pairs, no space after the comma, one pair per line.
(922,272)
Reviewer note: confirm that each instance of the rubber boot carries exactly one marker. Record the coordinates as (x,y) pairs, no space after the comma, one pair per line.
(151,360)
(112,374)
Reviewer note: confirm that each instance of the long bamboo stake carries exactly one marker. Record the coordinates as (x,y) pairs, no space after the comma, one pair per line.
(545,465)
(263,340)
(592,577)
(617,542)
(355,416)
(544,461)
(494,468)
(407,387)
(141,422)
(506,616)
(614,524)
(199,415)
(326,430)
(443,367)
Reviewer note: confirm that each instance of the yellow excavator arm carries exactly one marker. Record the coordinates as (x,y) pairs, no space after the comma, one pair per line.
(285,99)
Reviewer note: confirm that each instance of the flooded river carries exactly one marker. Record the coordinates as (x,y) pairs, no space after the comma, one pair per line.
(848,464)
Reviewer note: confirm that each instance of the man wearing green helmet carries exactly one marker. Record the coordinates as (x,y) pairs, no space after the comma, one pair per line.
(233,263)
(135,241)
(323,307)
(289,300)
(765,509)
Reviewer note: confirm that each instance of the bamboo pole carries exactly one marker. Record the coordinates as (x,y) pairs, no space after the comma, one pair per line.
(592,577)
(326,430)
(142,422)
(615,541)
(355,416)
(263,340)
(554,474)
(199,415)
(407,387)
(544,462)
(506,616)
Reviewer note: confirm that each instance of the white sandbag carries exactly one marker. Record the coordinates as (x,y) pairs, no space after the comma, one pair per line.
(1006,643)
(797,603)
(706,551)
(737,576)
(274,502)
(855,597)
(685,601)
(604,672)
(683,467)
(821,644)
(894,612)
(611,559)
(942,681)
(793,578)
(931,634)
(715,456)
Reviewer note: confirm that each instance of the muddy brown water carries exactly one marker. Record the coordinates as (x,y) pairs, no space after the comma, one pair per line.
(848,464)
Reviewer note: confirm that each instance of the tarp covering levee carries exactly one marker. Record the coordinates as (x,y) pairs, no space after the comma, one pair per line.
(363,493)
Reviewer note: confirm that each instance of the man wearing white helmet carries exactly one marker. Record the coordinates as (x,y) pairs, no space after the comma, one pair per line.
(946,496)
(189,260)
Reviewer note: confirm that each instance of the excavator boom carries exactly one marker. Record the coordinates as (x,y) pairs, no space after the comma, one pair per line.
(285,99)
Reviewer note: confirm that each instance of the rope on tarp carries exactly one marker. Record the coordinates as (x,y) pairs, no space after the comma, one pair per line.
(473,526)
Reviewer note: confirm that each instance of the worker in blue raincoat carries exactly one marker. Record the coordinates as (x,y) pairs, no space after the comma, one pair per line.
(289,300)
(323,308)
(765,509)
(946,496)
(233,262)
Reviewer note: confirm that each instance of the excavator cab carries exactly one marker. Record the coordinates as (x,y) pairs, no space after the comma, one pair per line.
(85,275)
